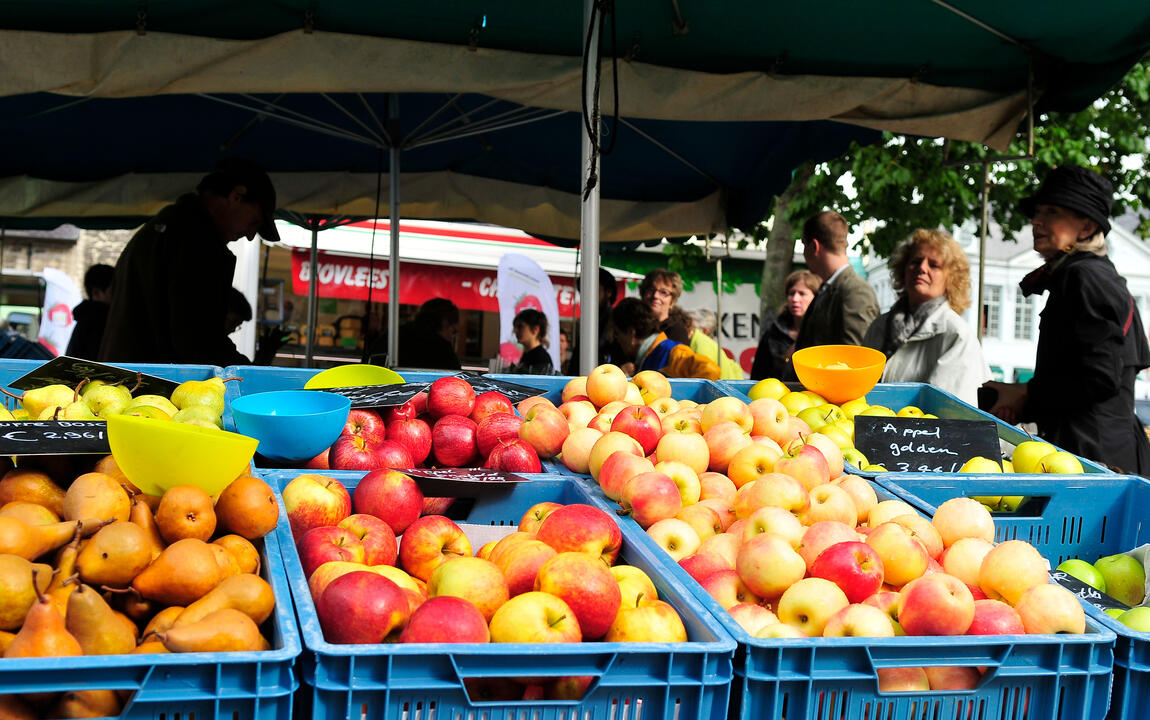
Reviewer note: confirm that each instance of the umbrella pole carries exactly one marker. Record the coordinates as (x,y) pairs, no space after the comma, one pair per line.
(589,216)
(393,215)
(312,292)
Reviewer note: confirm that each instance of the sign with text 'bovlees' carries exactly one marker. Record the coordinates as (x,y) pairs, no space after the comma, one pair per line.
(53,437)
(903,444)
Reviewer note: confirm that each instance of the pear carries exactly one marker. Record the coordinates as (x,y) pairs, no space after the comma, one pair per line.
(21,413)
(31,541)
(98,628)
(6,414)
(183,573)
(204,393)
(63,582)
(96,495)
(87,704)
(141,514)
(15,707)
(150,647)
(115,555)
(77,410)
(157,401)
(250,594)
(146,411)
(17,594)
(161,621)
(199,415)
(30,513)
(43,633)
(38,400)
(225,630)
(104,399)
(30,485)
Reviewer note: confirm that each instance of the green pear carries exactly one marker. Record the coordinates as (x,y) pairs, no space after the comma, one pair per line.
(6,414)
(1124,576)
(199,415)
(146,411)
(37,400)
(209,393)
(105,399)
(78,410)
(157,401)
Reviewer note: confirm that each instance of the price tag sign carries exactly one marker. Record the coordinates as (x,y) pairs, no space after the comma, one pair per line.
(72,371)
(378,396)
(514,391)
(53,437)
(924,444)
(1092,595)
(450,482)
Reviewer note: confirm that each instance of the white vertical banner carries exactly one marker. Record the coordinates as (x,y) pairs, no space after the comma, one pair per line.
(523,284)
(56,321)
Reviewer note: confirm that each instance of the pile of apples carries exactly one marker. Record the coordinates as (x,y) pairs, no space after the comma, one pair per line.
(446,426)
(380,572)
(98,568)
(1122,577)
(195,402)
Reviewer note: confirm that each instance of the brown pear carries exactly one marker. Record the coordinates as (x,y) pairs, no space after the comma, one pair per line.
(15,707)
(142,515)
(98,628)
(242,549)
(226,630)
(161,621)
(250,594)
(87,704)
(248,507)
(115,555)
(17,594)
(96,495)
(31,541)
(183,573)
(64,579)
(43,633)
(5,640)
(150,647)
(227,562)
(33,486)
(30,512)
(139,610)
(109,466)
(186,511)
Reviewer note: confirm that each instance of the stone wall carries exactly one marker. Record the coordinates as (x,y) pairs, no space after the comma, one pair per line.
(70,257)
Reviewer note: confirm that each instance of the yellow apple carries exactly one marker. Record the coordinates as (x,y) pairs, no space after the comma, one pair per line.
(1027,454)
(768,388)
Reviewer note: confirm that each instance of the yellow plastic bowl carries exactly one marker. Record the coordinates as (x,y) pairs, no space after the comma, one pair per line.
(157,454)
(839,372)
(353,376)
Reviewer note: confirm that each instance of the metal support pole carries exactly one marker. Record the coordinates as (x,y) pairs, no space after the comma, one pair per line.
(393,214)
(719,312)
(982,247)
(312,293)
(589,218)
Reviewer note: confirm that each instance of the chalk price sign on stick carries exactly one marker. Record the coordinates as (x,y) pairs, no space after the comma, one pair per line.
(924,444)
(53,437)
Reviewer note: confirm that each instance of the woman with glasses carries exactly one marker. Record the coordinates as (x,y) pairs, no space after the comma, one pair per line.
(660,290)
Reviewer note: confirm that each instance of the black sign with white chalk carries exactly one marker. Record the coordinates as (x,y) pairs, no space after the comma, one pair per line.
(514,391)
(53,437)
(462,482)
(902,444)
(378,396)
(1090,594)
(72,371)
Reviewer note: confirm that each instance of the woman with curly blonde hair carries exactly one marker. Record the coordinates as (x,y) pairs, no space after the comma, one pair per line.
(923,336)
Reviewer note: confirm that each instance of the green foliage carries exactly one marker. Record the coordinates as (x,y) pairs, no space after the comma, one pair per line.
(906,183)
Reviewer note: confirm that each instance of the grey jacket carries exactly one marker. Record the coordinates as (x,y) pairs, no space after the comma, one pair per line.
(943,352)
(840,313)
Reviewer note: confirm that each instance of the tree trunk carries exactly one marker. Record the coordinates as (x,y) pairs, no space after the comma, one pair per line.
(780,248)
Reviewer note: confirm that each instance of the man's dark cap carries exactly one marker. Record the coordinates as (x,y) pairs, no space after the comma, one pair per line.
(232,171)
(1078,189)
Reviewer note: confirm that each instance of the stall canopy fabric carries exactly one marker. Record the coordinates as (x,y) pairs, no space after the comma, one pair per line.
(108,108)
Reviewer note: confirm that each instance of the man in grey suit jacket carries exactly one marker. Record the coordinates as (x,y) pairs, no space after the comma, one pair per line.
(845,304)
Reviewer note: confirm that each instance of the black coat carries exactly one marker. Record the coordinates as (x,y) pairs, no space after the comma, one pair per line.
(771,359)
(91,317)
(1091,344)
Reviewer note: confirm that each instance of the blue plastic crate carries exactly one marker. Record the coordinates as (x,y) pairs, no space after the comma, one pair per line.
(1032,677)
(634,680)
(207,686)
(931,400)
(1066,516)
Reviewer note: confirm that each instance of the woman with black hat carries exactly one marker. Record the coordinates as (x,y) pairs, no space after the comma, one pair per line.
(1091,342)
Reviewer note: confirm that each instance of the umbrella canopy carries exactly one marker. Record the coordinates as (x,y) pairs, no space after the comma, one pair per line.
(718,100)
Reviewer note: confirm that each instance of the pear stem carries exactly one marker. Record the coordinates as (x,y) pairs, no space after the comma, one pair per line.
(16,397)
(139,382)
(76,392)
(39,595)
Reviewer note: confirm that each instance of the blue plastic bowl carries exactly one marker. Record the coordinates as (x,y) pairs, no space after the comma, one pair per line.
(291,424)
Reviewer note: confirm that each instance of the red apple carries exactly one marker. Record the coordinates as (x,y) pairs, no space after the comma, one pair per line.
(413,408)
(902,680)
(412,434)
(453,440)
(641,423)
(724,440)
(446,619)
(618,469)
(545,429)
(514,456)
(319,462)
(822,535)
(854,566)
(376,536)
(935,604)
(450,396)
(588,588)
(994,617)
(768,565)
(728,589)
(570,687)
(536,514)
(315,501)
(429,542)
(650,497)
(327,544)
(495,427)
(582,528)
(806,463)
(952,677)
(480,581)
(528,403)
(520,563)
(355,452)
(361,607)
(364,423)
(700,565)
(490,402)
(391,496)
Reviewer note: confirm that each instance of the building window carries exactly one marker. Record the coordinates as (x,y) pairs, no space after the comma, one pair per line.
(992,310)
(1024,318)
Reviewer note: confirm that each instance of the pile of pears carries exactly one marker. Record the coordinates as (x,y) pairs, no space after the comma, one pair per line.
(99,568)
(195,402)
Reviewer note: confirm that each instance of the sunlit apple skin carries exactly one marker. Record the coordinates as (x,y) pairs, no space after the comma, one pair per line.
(903,558)
(582,528)
(961,517)
(858,620)
(648,621)
(768,565)
(446,619)
(315,501)
(994,617)
(730,409)
(328,544)
(533,517)
(391,496)
(703,520)
(701,565)
(829,502)
(480,581)
(677,538)
(688,448)
(854,566)
(535,617)
(650,497)
(806,463)
(935,604)
(641,423)
(1010,569)
(576,452)
(724,440)
(774,520)
(618,469)
(903,679)
(376,536)
(429,542)
(964,558)
(774,489)
(861,492)
(544,429)
(588,588)
(810,603)
(1051,609)
(608,445)
(653,385)
(520,564)
(728,589)
(822,535)
(606,383)
(488,403)
(956,677)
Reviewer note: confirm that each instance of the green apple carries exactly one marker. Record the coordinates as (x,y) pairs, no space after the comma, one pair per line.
(1060,462)
(819,416)
(1085,572)
(979,464)
(877,410)
(796,402)
(837,435)
(1125,578)
(853,407)
(1027,454)
(874,469)
(1114,612)
(1136,618)
(854,457)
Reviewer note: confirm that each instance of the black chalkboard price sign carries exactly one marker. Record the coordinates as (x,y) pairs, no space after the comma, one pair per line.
(903,444)
(467,482)
(378,396)
(53,437)
(514,391)
(1090,594)
(71,371)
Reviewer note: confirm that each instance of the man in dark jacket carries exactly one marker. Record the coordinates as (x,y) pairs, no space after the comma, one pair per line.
(92,314)
(170,298)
